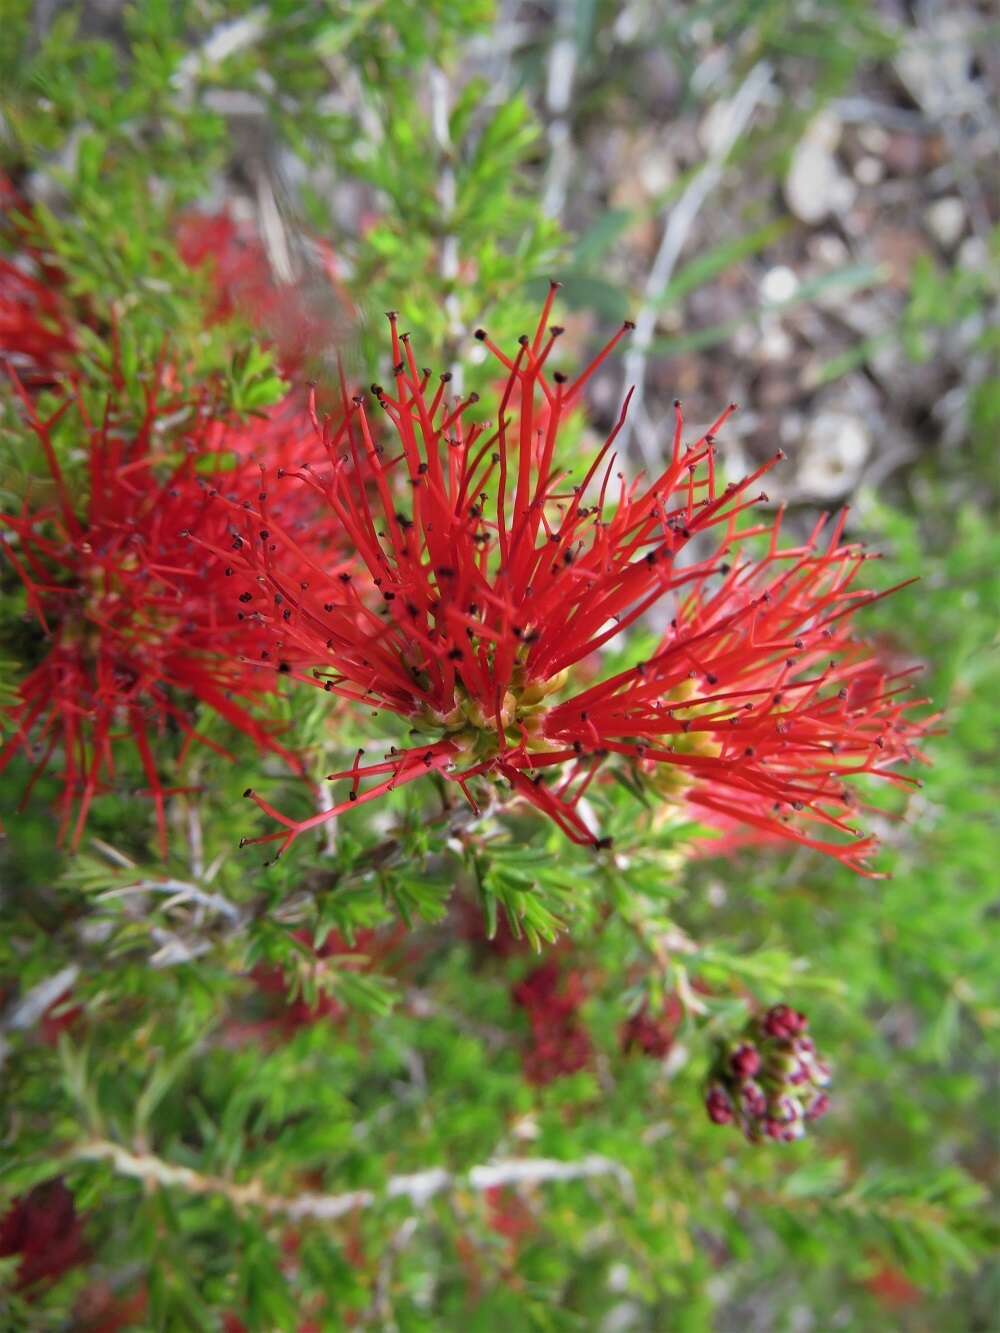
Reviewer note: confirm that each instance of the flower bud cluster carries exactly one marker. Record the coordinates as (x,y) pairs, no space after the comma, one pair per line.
(770,1081)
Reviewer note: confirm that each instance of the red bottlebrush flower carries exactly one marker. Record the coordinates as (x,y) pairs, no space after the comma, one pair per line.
(509,1215)
(654,1036)
(485,576)
(137,619)
(34,335)
(560,1043)
(99,1310)
(303,322)
(59,1018)
(892,1288)
(369,947)
(44,1228)
(35,325)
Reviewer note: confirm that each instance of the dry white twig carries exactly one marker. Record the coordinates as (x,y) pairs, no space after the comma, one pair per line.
(447,193)
(225,40)
(419,1187)
(180,892)
(558,94)
(25,1012)
(679,223)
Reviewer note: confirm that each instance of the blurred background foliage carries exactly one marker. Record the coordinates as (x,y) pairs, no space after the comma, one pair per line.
(794,200)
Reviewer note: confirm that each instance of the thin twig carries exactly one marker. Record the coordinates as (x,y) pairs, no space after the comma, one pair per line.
(180,892)
(225,40)
(678,227)
(419,1188)
(558,94)
(447,194)
(23,1013)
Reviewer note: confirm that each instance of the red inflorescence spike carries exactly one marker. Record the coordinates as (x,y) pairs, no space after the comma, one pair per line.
(466,616)
(143,609)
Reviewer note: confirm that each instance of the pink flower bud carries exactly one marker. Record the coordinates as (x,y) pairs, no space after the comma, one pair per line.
(744,1061)
(718,1106)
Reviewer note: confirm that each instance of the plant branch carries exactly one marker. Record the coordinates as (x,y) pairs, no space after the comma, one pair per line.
(678,228)
(419,1187)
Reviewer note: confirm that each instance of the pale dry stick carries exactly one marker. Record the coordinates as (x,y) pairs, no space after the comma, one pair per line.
(196,841)
(558,92)
(272,226)
(679,223)
(180,892)
(324,802)
(225,40)
(419,1187)
(380,1308)
(23,1013)
(447,193)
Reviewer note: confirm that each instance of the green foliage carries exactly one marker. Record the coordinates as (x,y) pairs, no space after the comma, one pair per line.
(247,1063)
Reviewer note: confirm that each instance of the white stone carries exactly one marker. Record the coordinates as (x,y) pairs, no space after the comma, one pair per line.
(934,61)
(869,170)
(945,220)
(835,450)
(843,193)
(829,250)
(778,284)
(974,254)
(774,344)
(873,138)
(813,181)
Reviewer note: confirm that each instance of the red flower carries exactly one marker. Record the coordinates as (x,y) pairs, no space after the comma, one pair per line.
(99,1310)
(560,1044)
(486,576)
(34,333)
(289,1014)
(303,322)
(129,605)
(654,1036)
(44,1228)
(508,1215)
(892,1288)
(35,336)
